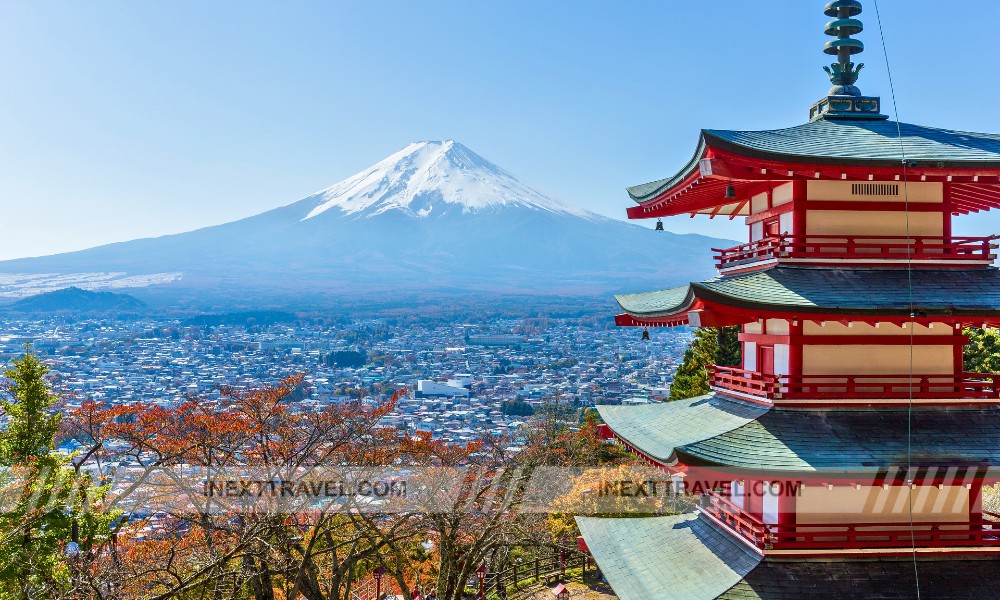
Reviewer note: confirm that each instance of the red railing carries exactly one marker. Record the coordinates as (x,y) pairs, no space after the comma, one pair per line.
(746,382)
(759,250)
(737,519)
(858,248)
(846,536)
(770,387)
(965,385)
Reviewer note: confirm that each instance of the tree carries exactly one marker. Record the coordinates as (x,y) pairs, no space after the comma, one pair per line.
(711,346)
(51,518)
(218,546)
(982,354)
(580,449)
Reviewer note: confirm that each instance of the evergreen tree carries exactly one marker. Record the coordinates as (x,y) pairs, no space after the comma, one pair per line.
(982,355)
(711,346)
(46,500)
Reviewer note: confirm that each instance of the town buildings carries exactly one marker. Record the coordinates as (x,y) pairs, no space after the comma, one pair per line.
(165,360)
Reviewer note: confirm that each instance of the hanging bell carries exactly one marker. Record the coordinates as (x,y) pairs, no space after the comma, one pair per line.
(645,335)
(659,225)
(730,192)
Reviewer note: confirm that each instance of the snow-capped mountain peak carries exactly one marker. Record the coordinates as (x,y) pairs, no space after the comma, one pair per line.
(430,179)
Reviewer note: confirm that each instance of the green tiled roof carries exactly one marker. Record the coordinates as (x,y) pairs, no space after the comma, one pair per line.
(666,558)
(687,558)
(972,292)
(712,431)
(871,580)
(658,429)
(865,142)
(845,142)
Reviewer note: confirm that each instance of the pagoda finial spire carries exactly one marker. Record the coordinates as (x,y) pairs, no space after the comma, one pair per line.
(844,73)
(844,100)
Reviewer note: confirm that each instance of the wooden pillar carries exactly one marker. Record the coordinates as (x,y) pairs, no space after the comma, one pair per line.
(976,502)
(787,507)
(800,193)
(795,329)
(946,213)
(754,498)
(959,358)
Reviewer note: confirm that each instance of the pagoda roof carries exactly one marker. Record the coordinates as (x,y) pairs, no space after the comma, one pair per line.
(687,557)
(716,431)
(682,556)
(833,291)
(843,142)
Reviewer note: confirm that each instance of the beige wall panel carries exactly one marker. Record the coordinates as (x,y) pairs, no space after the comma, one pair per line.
(782,194)
(872,223)
(777,327)
(884,330)
(818,504)
(876,360)
(758,203)
(841,191)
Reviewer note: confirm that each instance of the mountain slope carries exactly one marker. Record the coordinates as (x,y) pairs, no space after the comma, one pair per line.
(434,216)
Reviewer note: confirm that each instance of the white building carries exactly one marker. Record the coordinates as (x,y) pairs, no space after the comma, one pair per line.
(426,388)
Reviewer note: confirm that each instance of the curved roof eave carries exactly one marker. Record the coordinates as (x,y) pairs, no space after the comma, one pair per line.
(854,291)
(646,191)
(843,143)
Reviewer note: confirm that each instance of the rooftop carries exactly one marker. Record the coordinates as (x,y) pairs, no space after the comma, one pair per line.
(715,430)
(687,557)
(942,292)
(844,142)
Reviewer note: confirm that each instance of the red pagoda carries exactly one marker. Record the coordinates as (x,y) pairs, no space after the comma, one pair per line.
(846,456)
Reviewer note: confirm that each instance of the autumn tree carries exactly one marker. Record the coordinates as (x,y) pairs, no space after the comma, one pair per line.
(241,546)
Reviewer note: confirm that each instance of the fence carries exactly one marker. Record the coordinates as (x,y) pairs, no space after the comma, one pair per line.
(547,570)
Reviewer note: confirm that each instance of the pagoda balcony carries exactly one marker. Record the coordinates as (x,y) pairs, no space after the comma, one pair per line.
(862,250)
(971,386)
(850,536)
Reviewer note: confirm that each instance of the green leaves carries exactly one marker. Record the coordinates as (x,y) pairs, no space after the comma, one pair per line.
(42,494)
(32,427)
(982,354)
(711,346)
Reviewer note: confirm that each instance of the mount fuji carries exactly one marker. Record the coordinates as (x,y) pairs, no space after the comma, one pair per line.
(434,216)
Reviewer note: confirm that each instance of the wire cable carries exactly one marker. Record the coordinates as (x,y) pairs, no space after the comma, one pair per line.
(910,302)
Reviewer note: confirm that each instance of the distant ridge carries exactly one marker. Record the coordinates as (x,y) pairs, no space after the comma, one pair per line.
(77,300)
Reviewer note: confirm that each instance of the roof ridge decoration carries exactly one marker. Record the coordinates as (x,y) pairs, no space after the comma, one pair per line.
(844,100)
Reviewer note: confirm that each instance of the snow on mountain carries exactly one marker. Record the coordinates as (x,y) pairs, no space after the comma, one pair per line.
(433,217)
(428,178)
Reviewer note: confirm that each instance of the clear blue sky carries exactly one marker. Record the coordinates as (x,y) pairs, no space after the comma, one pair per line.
(129,119)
